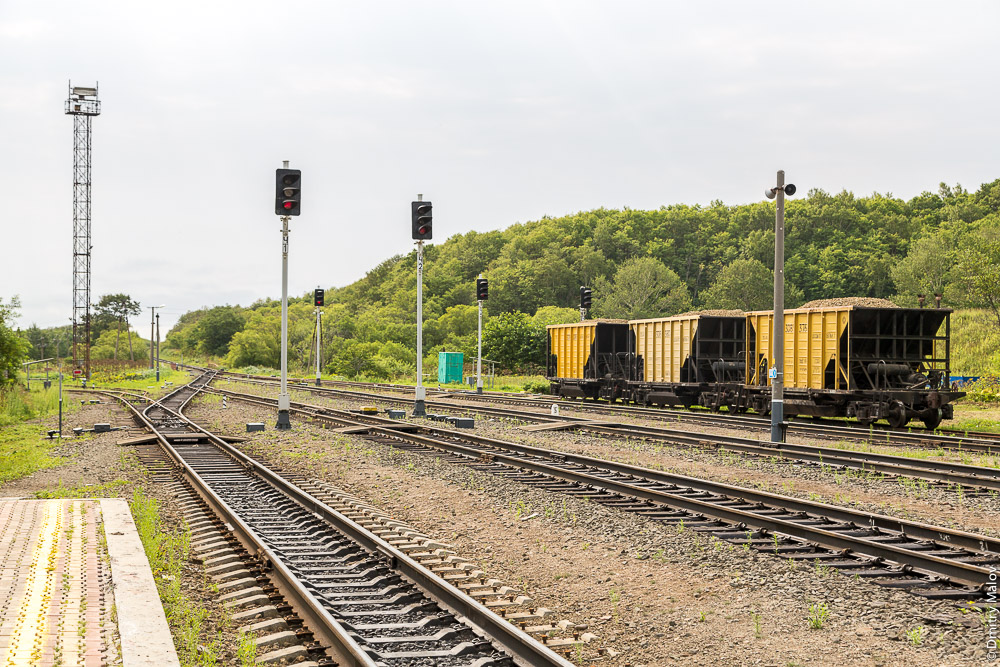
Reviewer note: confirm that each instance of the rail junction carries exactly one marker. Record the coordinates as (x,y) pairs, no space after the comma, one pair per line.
(355,598)
(932,561)
(946,474)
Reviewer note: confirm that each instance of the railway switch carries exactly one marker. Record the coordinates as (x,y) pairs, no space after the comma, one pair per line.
(288,192)
(422,218)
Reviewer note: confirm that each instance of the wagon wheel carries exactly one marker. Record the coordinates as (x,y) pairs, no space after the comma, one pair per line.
(934,421)
(897,415)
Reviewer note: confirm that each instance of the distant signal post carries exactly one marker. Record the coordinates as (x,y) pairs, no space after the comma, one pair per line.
(421,221)
(287,202)
(482,293)
(318,295)
(586,299)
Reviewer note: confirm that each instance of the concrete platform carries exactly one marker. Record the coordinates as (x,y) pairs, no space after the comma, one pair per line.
(64,565)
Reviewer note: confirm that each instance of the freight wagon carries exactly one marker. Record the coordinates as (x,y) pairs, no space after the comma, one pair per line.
(855,361)
(867,363)
(694,359)
(587,359)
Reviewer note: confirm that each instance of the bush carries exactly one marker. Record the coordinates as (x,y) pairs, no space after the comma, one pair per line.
(984,390)
(537,386)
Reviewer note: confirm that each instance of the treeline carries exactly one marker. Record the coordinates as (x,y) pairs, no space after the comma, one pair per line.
(639,264)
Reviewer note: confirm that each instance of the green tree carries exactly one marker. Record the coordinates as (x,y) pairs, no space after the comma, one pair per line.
(643,287)
(118,308)
(356,358)
(258,344)
(978,267)
(513,340)
(216,328)
(13,346)
(543,317)
(747,284)
(926,269)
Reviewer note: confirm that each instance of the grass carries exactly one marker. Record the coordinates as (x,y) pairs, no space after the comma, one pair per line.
(24,451)
(818,615)
(916,635)
(144,380)
(167,552)
(18,405)
(975,343)
(112,489)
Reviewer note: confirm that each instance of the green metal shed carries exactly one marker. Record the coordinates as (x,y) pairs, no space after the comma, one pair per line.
(450,367)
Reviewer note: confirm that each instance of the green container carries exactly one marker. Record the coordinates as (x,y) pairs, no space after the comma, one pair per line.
(450,367)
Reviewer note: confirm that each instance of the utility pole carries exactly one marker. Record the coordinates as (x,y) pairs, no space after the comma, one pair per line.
(288,197)
(157,347)
(777,371)
(152,337)
(60,399)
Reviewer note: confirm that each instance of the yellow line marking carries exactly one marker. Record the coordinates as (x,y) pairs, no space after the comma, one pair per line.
(26,642)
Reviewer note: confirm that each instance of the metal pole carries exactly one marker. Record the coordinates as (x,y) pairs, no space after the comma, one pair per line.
(421,392)
(157,347)
(479,357)
(319,334)
(778,328)
(583,314)
(284,401)
(60,399)
(152,314)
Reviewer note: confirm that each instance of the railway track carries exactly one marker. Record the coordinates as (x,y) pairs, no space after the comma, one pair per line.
(946,474)
(363,600)
(970,442)
(929,560)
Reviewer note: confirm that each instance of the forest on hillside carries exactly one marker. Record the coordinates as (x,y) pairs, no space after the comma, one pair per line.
(639,264)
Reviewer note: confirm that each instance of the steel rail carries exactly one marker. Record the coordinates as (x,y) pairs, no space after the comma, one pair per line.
(956,571)
(969,441)
(325,628)
(922,469)
(979,442)
(524,649)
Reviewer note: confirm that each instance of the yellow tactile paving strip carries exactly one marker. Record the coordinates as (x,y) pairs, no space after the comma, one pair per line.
(54,575)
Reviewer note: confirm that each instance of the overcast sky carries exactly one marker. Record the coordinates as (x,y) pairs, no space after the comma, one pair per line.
(498,112)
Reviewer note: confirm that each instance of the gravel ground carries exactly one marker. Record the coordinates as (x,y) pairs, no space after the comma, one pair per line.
(653,594)
(901,497)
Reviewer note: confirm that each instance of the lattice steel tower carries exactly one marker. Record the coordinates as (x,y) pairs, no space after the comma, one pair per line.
(82,105)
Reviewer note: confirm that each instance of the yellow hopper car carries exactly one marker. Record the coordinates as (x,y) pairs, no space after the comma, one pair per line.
(855,361)
(584,359)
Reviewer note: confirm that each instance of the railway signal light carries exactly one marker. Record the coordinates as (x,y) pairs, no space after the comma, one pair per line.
(318,297)
(288,191)
(586,297)
(482,289)
(421,219)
